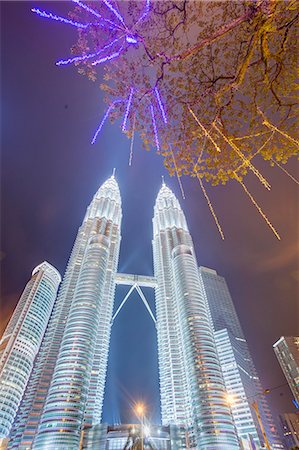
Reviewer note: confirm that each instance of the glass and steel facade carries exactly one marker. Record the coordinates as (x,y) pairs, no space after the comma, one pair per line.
(287,352)
(66,389)
(240,376)
(191,383)
(22,339)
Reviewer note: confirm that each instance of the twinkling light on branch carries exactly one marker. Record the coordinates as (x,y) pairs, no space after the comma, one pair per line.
(210,206)
(177,173)
(107,58)
(102,122)
(160,105)
(65,62)
(116,13)
(204,130)
(49,15)
(244,159)
(132,141)
(257,206)
(155,127)
(124,127)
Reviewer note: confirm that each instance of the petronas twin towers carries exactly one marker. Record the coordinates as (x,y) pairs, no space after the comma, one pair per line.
(66,389)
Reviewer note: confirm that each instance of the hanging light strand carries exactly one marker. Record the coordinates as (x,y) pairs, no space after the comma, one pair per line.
(64,62)
(258,151)
(244,159)
(49,15)
(285,171)
(124,127)
(257,206)
(204,130)
(177,173)
(210,206)
(103,121)
(273,127)
(132,141)
(155,127)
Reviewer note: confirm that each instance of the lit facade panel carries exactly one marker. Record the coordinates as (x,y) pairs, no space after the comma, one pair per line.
(76,344)
(230,356)
(191,383)
(287,352)
(224,316)
(22,339)
(290,428)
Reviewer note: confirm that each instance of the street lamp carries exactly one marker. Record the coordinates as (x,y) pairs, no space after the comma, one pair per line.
(140,410)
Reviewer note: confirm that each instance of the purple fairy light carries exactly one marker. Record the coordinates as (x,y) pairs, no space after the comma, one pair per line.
(145,12)
(64,62)
(95,13)
(103,121)
(161,105)
(155,127)
(107,58)
(128,109)
(131,40)
(116,13)
(49,15)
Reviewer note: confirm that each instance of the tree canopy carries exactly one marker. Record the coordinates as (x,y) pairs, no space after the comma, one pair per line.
(225,72)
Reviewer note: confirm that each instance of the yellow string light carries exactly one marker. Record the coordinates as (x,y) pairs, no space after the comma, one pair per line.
(132,142)
(273,127)
(285,171)
(244,159)
(177,174)
(257,206)
(210,206)
(258,151)
(204,130)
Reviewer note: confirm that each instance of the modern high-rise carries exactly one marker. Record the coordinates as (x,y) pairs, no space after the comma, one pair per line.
(22,339)
(287,352)
(191,383)
(290,428)
(241,380)
(66,388)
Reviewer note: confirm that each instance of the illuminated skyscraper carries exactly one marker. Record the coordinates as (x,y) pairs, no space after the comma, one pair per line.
(191,383)
(22,339)
(66,388)
(240,376)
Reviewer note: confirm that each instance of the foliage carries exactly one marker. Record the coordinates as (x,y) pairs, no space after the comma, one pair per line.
(226,72)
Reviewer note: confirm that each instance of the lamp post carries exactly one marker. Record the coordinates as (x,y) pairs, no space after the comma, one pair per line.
(140,409)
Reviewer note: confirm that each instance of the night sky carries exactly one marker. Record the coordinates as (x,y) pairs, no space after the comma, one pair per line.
(50,172)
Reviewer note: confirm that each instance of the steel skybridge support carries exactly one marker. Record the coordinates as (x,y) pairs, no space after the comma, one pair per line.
(136,282)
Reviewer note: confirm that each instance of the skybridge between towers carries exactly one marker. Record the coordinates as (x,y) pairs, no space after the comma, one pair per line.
(136,282)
